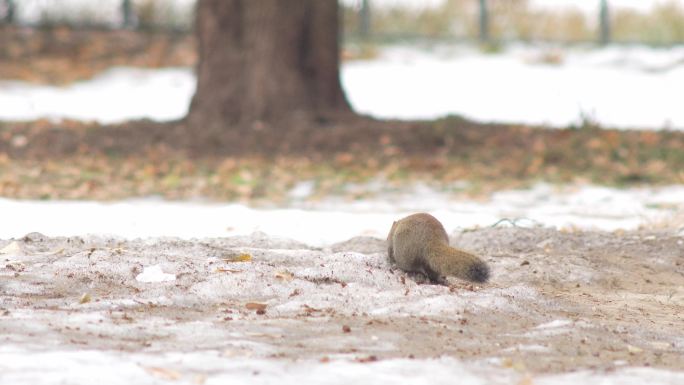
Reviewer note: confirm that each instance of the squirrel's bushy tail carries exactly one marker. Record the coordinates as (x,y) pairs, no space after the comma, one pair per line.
(448,261)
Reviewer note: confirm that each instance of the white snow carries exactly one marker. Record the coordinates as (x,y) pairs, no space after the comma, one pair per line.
(116,95)
(553,328)
(316,223)
(23,366)
(559,323)
(334,220)
(623,87)
(11,250)
(154,274)
(617,87)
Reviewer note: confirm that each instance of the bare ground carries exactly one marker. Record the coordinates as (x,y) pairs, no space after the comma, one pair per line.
(557,302)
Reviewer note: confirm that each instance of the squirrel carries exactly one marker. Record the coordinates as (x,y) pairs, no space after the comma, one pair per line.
(419,243)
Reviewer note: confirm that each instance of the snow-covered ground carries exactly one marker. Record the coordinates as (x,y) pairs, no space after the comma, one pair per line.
(93,309)
(332,220)
(85,367)
(117,95)
(624,87)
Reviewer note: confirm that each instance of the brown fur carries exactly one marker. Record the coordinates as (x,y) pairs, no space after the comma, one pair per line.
(419,243)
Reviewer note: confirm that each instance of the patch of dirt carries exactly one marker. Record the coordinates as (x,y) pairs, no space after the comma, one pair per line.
(557,301)
(62,55)
(46,160)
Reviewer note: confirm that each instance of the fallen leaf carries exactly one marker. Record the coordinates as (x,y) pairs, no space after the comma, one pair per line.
(224,270)
(15,266)
(256,306)
(367,359)
(265,335)
(163,373)
(634,349)
(509,363)
(238,258)
(284,275)
(85,298)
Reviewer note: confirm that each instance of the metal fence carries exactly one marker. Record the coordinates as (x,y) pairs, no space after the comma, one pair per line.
(495,21)
(8,10)
(178,15)
(114,14)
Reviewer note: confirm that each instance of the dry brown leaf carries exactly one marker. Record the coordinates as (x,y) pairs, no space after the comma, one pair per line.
(238,258)
(516,365)
(15,266)
(265,335)
(85,298)
(256,306)
(224,270)
(163,373)
(284,275)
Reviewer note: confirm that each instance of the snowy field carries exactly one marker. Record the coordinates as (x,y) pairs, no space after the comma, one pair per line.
(561,308)
(84,367)
(587,208)
(133,304)
(623,87)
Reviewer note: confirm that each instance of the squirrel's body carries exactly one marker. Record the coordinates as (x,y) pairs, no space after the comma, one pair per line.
(419,243)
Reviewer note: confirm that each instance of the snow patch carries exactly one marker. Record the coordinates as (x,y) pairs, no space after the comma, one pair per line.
(21,366)
(559,323)
(451,80)
(154,274)
(584,207)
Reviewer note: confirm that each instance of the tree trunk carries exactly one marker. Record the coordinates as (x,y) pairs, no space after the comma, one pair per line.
(264,61)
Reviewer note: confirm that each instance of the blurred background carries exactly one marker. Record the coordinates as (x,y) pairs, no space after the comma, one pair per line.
(653,22)
(573,111)
(562,63)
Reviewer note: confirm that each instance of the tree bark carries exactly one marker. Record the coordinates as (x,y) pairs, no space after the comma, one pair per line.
(262,61)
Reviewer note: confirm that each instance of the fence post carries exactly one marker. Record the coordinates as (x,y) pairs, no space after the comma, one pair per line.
(484,22)
(604,16)
(11,8)
(127,12)
(365,19)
